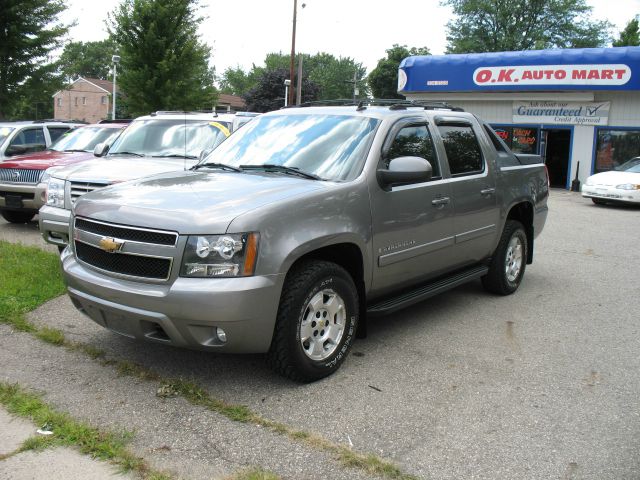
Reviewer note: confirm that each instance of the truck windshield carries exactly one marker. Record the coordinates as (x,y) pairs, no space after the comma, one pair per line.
(84,139)
(333,147)
(4,133)
(170,138)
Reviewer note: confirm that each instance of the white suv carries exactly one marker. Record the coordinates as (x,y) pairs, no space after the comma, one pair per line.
(156,143)
(18,138)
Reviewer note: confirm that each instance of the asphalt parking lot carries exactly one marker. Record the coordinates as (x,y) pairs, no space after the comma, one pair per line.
(541,384)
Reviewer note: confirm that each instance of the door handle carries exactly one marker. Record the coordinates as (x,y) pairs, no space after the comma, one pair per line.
(440,201)
(487,191)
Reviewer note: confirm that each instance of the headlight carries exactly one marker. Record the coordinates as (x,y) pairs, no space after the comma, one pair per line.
(232,255)
(628,186)
(55,192)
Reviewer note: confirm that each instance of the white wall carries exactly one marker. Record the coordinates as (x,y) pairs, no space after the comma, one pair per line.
(581,151)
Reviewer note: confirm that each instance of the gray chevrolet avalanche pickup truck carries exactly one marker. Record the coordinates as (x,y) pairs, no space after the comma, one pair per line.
(300,225)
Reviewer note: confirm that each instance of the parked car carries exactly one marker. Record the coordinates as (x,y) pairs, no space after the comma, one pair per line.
(288,234)
(621,185)
(160,142)
(22,184)
(19,138)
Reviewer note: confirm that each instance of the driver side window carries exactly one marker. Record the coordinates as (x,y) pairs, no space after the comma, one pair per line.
(414,141)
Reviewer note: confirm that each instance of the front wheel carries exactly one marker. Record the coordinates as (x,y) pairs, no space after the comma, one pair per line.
(12,216)
(509,260)
(316,323)
(597,201)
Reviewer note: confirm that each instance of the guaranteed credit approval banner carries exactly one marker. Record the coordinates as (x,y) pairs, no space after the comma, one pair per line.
(561,113)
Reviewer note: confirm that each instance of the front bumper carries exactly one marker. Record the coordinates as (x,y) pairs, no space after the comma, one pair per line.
(185,313)
(610,193)
(21,197)
(54,224)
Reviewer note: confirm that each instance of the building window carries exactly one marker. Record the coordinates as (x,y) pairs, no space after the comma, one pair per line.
(614,147)
(104,100)
(59,101)
(75,101)
(84,100)
(519,139)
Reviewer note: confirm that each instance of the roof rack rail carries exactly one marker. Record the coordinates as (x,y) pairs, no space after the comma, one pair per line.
(392,103)
(57,120)
(180,112)
(117,120)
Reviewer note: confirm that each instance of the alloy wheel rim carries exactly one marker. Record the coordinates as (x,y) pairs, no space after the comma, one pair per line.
(513,260)
(322,325)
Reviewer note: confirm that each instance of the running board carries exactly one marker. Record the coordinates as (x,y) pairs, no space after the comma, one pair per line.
(423,292)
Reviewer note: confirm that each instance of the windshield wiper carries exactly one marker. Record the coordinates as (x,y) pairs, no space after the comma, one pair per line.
(174,155)
(268,167)
(76,150)
(127,153)
(222,166)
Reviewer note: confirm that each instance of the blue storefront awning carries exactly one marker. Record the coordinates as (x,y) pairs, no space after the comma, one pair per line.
(585,69)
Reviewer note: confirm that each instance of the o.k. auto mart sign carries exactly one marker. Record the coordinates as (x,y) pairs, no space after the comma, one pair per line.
(561,113)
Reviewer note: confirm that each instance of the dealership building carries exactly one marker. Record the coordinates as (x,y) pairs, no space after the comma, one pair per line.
(578,108)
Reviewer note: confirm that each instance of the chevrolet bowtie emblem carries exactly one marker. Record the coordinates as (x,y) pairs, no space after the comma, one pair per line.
(110,244)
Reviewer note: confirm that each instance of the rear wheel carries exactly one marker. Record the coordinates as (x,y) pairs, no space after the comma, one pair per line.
(17,217)
(316,322)
(509,260)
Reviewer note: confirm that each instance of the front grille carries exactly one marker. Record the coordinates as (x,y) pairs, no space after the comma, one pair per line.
(80,188)
(20,175)
(127,233)
(132,265)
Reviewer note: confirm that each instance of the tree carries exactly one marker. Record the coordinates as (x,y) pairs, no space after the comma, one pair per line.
(512,25)
(383,80)
(29,32)
(88,59)
(630,36)
(235,81)
(163,64)
(332,75)
(268,94)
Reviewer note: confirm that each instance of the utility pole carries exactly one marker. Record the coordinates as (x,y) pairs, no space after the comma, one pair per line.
(293,50)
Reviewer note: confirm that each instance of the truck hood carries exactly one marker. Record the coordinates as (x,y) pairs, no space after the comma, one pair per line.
(120,169)
(46,159)
(191,202)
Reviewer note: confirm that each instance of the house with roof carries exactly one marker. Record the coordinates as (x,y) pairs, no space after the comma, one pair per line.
(86,99)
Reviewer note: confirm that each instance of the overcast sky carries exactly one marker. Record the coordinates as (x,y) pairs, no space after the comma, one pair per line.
(242,32)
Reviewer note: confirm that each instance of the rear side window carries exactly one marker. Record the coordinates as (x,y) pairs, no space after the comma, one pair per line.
(30,136)
(463,151)
(414,141)
(56,132)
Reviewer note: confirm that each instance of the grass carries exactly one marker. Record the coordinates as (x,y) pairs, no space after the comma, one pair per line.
(33,277)
(254,474)
(68,432)
(30,277)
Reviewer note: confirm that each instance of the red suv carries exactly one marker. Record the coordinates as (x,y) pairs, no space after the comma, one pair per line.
(21,190)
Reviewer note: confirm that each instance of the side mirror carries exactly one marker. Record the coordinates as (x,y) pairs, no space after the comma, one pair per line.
(16,150)
(101,149)
(405,170)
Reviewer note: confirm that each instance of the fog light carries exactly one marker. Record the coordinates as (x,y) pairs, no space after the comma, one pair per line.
(221,335)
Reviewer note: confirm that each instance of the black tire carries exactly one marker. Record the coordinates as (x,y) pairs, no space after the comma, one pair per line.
(503,279)
(598,201)
(61,248)
(13,216)
(290,355)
